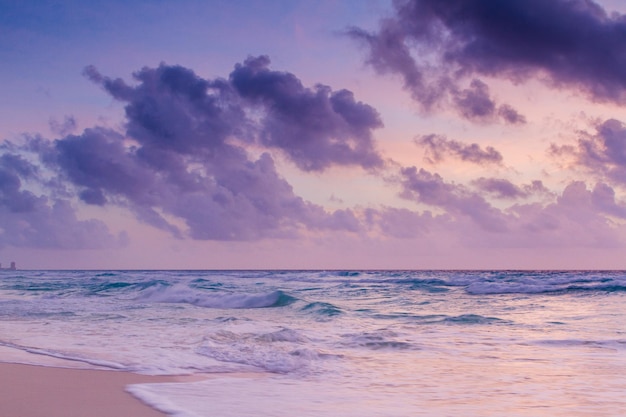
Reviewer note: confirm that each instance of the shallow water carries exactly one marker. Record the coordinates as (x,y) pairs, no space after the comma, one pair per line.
(335,343)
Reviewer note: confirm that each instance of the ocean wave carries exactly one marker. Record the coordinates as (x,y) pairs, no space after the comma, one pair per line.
(201,298)
(282,351)
(472,319)
(547,287)
(615,345)
(379,340)
(321,309)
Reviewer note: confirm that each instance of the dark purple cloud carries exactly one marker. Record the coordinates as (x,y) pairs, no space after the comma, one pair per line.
(475,103)
(438,148)
(316,127)
(223,196)
(182,164)
(173,109)
(510,115)
(602,153)
(13,169)
(504,189)
(434,44)
(97,160)
(31,220)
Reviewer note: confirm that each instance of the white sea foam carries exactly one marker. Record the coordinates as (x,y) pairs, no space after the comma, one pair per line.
(152,395)
(65,356)
(335,344)
(281,351)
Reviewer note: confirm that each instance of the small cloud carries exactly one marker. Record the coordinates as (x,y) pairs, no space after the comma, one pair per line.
(439,147)
(504,189)
(64,128)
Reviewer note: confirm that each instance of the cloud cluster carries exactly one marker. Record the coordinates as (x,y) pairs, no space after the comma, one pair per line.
(196,159)
(182,164)
(603,153)
(434,45)
(316,127)
(425,187)
(37,221)
(578,217)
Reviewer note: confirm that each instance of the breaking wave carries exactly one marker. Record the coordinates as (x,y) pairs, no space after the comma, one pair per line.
(200,298)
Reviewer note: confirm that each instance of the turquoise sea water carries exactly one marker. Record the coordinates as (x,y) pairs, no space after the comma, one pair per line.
(334,343)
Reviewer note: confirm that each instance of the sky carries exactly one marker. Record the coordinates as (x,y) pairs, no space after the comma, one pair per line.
(327,134)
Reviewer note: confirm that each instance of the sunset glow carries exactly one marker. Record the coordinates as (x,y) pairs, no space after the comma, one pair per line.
(294,134)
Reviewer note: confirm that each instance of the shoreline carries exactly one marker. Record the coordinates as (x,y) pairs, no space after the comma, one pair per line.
(43,391)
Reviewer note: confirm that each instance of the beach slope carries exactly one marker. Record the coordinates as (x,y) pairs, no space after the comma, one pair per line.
(37,391)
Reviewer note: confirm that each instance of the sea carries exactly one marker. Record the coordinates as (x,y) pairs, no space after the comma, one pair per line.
(334,343)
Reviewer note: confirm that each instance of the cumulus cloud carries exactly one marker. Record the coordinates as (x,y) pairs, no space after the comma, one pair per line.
(182,164)
(576,218)
(425,187)
(603,199)
(602,153)
(439,147)
(316,127)
(28,219)
(434,45)
(476,104)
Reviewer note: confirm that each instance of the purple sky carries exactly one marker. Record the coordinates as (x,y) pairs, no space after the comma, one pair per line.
(313,134)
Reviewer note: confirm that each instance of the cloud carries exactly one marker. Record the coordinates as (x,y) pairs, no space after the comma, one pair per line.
(223,195)
(434,45)
(438,147)
(196,158)
(603,199)
(182,164)
(67,126)
(510,115)
(475,103)
(427,188)
(602,153)
(403,223)
(31,220)
(174,110)
(504,189)
(315,127)
(576,218)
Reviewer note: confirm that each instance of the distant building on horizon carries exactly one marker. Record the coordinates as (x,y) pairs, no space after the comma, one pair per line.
(11,268)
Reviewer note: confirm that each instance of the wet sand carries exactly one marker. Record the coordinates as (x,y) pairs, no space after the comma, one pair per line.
(38,391)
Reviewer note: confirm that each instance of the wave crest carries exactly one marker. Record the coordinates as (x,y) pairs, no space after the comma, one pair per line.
(200,298)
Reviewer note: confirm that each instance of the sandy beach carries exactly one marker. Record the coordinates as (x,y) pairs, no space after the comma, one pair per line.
(38,391)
